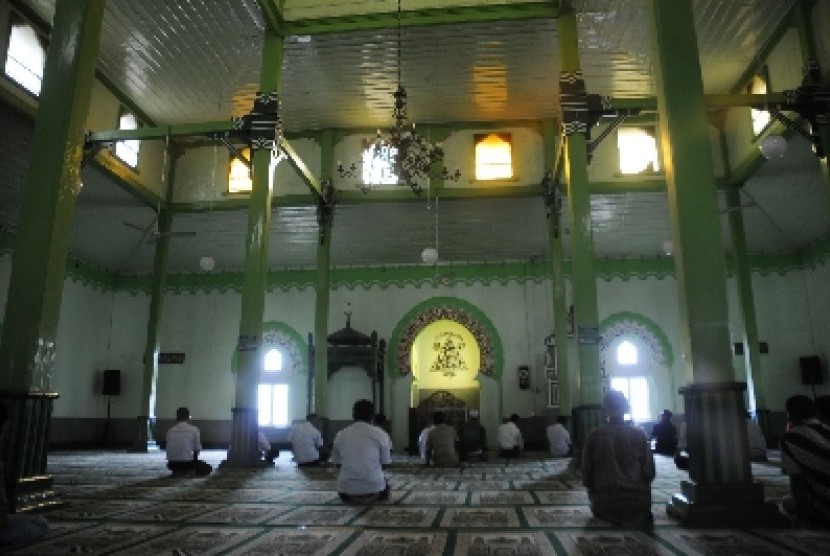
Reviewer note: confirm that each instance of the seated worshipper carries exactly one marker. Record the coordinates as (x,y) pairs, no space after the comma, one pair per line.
(757,443)
(681,455)
(183,446)
(664,435)
(307,442)
(618,467)
(268,452)
(472,438)
(360,451)
(511,442)
(16,529)
(422,441)
(440,446)
(559,439)
(805,457)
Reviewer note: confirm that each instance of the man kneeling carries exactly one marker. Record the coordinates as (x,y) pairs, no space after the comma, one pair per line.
(183,446)
(360,451)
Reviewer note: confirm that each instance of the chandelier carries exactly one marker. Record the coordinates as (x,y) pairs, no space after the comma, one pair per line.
(402,156)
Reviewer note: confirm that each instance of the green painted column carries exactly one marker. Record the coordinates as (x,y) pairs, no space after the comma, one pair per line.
(145,421)
(321,308)
(243,451)
(573,98)
(41,246)
(721,490)
(557,261)
(746,302)
(52,182)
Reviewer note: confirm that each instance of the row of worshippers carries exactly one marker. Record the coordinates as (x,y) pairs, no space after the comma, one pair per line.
(440,444)
(618,464)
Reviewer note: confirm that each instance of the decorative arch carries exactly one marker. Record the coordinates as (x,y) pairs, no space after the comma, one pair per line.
(283,337)
(449,308)
(628,324)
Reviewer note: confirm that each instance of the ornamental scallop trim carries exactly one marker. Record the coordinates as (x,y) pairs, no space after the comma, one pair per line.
(445,312)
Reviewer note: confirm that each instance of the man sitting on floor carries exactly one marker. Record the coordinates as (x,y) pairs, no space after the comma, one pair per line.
(559,439)
(361,450)
(664,435)
(183,447)
(441,441)
(307,442)
(473,438)
(268,452)
(511,442)
(805,457)
(618,467)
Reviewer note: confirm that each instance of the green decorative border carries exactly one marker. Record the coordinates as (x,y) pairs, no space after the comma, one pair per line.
(285,336)
(422,277)
(451,308)
(629,319)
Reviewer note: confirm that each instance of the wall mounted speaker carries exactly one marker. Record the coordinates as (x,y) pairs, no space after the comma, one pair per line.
(111,385)
(738,348)
(811,370)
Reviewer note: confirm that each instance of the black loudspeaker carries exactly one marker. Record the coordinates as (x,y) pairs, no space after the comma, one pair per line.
(111,385)
(811,370)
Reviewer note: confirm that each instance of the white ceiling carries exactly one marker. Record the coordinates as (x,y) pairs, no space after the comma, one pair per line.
(199,60)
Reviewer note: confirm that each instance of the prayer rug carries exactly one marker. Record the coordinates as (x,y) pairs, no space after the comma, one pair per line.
(121,503)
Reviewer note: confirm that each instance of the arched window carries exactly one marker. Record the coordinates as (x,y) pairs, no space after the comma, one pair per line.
(273,391)
(627,353)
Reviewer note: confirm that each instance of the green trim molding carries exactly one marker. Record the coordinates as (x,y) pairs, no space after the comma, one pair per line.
(812,257)
(449,308)
(627,323)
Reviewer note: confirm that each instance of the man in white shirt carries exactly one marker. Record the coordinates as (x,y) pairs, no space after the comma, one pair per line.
(361,450)
(183,447)
(307,442)
(559,438)
(511,442)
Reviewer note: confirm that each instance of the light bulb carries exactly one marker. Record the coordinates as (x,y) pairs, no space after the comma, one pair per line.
(207,263)
(429,255)
(773,146)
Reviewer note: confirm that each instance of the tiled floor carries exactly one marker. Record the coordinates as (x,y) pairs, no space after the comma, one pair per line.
(121,503)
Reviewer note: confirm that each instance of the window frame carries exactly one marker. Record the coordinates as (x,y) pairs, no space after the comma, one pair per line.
(233,164)
(276,379)
(505,136)
(651,130)
(126,143)
(15,19)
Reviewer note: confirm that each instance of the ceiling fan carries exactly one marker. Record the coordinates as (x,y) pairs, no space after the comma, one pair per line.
(152,233)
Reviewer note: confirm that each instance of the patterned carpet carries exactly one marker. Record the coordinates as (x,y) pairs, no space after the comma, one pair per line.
(121,503)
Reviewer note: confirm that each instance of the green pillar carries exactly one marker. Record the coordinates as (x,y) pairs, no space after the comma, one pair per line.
(243,451)
(152,343)
(746,300)
(721,490)
(557,260)
(586,319)
(321,309)
(53,180)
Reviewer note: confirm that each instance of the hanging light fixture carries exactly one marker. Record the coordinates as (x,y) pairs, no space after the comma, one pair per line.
(430,254)
(402,156)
